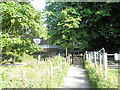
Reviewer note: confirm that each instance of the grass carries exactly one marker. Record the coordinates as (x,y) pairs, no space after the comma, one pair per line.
(33,75)
(98,79)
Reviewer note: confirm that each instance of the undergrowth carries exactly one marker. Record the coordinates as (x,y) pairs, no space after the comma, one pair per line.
(98,79)
(33,74)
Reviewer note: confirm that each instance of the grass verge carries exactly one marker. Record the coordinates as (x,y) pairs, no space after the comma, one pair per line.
(97,77)
(33,74)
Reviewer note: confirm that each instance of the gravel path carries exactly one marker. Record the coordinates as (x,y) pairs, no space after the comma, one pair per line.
(76,78)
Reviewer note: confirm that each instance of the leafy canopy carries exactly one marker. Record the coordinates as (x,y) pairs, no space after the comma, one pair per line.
(20,23)
(87,26)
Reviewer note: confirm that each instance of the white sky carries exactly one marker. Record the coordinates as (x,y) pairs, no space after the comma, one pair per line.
(38,4)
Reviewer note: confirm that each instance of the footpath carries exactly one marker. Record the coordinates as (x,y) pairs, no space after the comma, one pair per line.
(76,78)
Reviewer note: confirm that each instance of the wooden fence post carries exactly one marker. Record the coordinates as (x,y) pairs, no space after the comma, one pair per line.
(60,65)
(39,57)
(69,59)
(58,54)
(51,70)
(105,63)
(86,56)
(66,54)
(81,58)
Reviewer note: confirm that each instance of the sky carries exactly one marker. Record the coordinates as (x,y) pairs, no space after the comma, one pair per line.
(38,4)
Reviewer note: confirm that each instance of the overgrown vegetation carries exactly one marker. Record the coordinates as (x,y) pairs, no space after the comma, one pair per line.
(12,59)
(34,74)
(97,77)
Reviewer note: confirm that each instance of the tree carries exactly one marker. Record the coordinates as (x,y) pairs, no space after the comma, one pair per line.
(87,26)
(20,23)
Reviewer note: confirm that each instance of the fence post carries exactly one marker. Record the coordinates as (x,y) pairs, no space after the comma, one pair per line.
(86,56)
(105,62)
(70,59)
(116,56)
(100,62)
(81,58)
(51,70)
(90,59)
(39,57)
(65,62)
(95,59)
(58,54)
(66,54)
(60,65)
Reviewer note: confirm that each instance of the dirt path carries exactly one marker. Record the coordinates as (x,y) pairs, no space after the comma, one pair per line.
(76,78)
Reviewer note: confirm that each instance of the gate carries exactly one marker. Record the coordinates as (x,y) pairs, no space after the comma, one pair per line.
(77,59)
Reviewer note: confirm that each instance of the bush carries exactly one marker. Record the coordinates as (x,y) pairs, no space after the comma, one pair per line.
(98,79)
(9,58)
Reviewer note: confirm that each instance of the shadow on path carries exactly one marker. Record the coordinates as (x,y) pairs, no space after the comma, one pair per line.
(76,78)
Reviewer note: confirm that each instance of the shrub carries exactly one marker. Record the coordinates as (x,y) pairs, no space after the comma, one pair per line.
(9,58)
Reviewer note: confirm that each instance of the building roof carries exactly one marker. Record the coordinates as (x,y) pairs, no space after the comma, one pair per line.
(44,42)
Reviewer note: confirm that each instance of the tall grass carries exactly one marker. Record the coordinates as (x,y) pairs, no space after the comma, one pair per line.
(97,77)
(33,74)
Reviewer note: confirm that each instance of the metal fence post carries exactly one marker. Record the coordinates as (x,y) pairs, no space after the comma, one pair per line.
(105,62)
(95,59)
(90,59)
(100,62)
